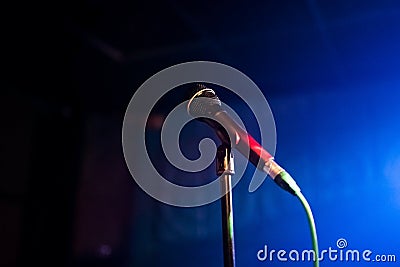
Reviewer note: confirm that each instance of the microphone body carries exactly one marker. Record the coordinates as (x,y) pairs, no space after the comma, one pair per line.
(233,134)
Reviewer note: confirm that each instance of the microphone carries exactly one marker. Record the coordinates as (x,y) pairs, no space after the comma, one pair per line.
(206,106)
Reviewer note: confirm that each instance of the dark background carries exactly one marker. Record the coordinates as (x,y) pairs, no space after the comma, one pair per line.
(330,70)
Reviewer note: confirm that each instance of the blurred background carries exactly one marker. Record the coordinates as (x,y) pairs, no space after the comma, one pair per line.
(329,69)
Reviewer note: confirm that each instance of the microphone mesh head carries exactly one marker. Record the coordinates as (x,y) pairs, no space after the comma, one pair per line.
(203,102)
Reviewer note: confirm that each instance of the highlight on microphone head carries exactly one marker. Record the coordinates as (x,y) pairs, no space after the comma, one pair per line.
(203,102)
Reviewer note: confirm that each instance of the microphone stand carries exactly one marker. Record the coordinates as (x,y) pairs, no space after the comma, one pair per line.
(225,167)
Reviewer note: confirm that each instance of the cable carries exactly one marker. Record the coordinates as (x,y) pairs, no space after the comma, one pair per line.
(288,183)
(311,223)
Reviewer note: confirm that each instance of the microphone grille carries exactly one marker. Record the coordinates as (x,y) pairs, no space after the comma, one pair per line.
(203,102)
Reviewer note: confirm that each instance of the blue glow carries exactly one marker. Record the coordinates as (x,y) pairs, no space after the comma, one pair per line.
(338,129)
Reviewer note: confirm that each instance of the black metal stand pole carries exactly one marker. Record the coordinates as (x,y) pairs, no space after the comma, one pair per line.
(225,167)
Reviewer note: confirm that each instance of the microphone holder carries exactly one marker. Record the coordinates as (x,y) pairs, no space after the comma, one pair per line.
(225,167)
